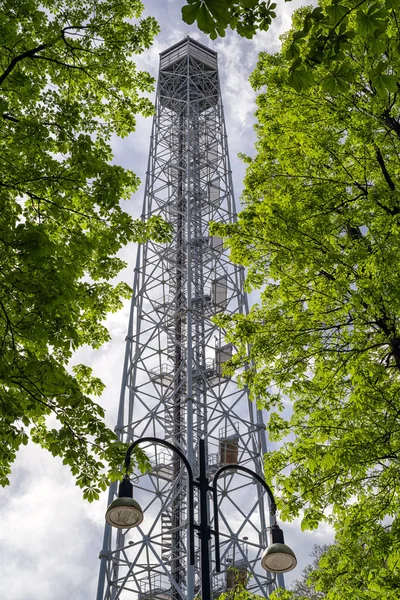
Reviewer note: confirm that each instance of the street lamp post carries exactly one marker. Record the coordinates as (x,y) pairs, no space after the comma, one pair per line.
(125,512)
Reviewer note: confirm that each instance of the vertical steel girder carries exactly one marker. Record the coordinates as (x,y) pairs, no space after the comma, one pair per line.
(174,386)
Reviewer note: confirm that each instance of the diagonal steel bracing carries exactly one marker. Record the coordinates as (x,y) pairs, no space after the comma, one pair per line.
(174,386)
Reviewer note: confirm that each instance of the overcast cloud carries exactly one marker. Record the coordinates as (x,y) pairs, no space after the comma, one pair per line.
(49,537)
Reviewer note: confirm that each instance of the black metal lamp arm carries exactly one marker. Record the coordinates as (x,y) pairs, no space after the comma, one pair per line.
(215,503)
(183,458)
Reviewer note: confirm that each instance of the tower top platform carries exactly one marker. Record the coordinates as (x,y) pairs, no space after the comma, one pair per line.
(191,47)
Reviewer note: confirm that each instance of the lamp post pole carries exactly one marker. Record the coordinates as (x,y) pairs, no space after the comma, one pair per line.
(204,527)
(124,513)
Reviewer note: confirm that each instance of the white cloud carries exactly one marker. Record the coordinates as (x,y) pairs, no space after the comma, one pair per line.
(47,541)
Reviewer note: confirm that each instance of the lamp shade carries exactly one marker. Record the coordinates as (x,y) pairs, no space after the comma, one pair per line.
(278,558)
(124,512)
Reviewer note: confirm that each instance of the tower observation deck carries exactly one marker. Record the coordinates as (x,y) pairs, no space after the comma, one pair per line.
(174,385)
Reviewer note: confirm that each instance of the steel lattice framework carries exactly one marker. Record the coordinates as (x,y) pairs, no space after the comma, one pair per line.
(174,385)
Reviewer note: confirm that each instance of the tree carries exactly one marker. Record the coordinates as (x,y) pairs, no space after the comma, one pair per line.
(324,35)
(67,84)
(320,235)
(349,569)
(363,568)
(301,589)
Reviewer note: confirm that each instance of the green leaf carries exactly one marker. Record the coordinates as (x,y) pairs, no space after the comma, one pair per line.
(336,12)
(384,84)
(378,43)
(190,12)
(370,20)
(337,81)
(293,52)
(300,79)
(379,68)
(205,20)
(249,3)
(299,35)
(220,12)
(317,14)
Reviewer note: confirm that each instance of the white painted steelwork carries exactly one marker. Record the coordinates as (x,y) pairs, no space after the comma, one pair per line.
(174,385)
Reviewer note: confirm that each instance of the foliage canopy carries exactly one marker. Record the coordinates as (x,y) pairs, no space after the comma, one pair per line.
(349,568)
(320,234)
(67,84)
(215,16)
(323,35)
(365,568)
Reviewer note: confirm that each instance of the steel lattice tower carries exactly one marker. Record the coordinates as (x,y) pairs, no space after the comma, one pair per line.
(174,386)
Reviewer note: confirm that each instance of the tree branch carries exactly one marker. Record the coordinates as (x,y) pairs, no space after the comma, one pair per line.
(10,118)
(384,170)
(78,212)
(17,59)
(391,122)
(59,62)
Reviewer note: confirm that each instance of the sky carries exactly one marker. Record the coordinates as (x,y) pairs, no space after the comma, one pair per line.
(50,537)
